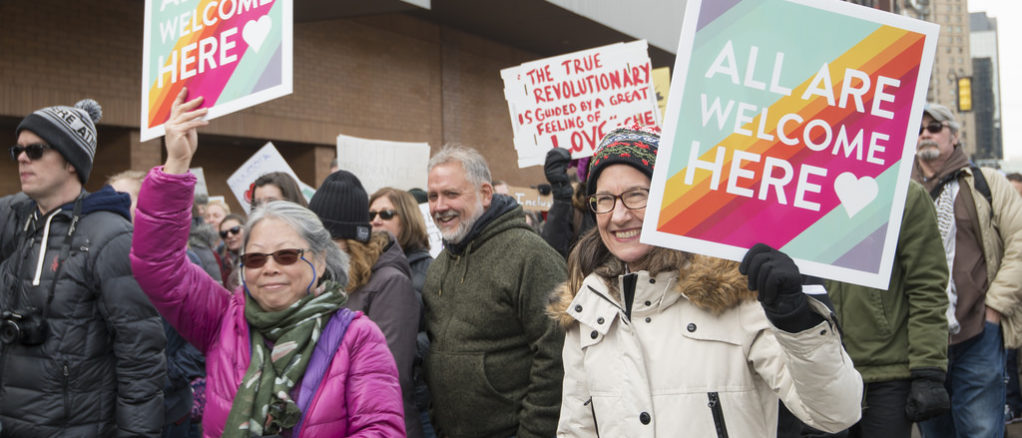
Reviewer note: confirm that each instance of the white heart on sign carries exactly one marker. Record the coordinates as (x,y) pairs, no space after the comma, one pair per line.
(855,194)
(255,32)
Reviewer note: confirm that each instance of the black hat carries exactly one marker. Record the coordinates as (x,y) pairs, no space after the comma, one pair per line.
(70,131)
(635,146)
(343,206)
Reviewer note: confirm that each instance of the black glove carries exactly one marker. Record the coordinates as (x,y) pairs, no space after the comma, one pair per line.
(779,283)
(927,398)
(555,167)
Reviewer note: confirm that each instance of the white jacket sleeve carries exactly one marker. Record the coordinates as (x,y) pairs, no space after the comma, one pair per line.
(812,374)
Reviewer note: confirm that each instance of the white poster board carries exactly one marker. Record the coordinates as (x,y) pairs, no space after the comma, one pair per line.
(383,163)
(267,159)
(436,240)
(571,101)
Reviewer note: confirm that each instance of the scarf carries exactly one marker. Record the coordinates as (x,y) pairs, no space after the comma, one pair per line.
(945,204)
(263,404)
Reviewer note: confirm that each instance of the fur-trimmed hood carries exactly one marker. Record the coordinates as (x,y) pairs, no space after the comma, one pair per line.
(710,283)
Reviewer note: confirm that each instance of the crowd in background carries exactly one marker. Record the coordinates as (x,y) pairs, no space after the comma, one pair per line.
(145,310)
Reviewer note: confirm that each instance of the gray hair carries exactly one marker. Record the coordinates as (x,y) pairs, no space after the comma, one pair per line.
(476,169)
(309,227)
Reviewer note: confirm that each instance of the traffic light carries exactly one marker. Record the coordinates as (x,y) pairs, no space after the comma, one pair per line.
(965,94)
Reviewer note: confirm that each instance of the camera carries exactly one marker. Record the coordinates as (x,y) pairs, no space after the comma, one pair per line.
(26,327)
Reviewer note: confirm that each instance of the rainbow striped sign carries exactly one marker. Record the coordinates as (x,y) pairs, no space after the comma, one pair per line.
(792,123)
(235,53)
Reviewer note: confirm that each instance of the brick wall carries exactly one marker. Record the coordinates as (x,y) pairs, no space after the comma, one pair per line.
(393,77)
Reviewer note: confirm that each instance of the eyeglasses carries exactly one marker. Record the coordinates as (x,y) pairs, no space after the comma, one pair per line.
(34,151)
(384,214)
(934,127)
(284,257)
(232,230)
(633,200)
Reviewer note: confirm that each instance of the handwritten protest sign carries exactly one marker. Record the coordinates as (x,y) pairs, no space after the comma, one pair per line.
(382,163)
(571,101)
(267,159)
(530,199)
(662,85)
(777,134)
(200,181)
(436,240)
(235,53)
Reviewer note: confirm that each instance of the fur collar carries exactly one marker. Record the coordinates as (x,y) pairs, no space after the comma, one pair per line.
(711,284)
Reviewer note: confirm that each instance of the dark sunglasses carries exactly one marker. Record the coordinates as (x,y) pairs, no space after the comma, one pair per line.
(934,127)
(384,214)
(232,230)
(34,151)
(284,257)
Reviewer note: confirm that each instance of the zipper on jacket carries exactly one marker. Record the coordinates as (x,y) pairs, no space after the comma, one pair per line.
(718,414)
(592,407)
(67,394)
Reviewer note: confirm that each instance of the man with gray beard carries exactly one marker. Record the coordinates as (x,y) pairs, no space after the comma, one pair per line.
(494,366)
(979,216)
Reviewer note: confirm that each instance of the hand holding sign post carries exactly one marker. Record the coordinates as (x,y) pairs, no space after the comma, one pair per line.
(775,135)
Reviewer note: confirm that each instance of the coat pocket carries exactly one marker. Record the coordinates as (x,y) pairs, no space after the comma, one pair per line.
(592,408)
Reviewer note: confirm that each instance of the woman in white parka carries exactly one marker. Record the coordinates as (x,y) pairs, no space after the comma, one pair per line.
(662,343)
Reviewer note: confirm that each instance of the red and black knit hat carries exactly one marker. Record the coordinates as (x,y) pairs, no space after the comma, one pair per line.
(635,146)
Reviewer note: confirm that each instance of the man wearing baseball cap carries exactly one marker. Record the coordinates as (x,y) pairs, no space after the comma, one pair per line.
(979,216)
(81,348)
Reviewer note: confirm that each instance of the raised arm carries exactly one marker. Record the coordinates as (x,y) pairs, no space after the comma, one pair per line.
(185,295)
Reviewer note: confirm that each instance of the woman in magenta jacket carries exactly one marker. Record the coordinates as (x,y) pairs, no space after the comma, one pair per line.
(282,354)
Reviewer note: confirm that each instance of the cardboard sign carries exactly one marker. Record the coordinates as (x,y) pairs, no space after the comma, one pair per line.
(571,101)
(382,163)
(235,53)
(436,240)
(200,181)
(267,159)
(777,134)
(662,85)
(530,199)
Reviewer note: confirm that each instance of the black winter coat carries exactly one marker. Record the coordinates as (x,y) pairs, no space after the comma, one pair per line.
(101,368)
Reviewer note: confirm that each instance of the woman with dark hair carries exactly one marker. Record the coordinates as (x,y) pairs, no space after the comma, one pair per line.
(277,186)
(665,343)
(397,212)
(232,234)
(379,279)
(284,357)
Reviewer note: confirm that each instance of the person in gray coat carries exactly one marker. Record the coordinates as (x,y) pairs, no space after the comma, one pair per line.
(82,348)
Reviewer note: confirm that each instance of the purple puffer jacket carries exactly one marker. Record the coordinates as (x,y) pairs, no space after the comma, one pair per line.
(359,394)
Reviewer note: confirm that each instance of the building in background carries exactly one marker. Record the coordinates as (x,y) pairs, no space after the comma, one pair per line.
(953,60)
(986,90)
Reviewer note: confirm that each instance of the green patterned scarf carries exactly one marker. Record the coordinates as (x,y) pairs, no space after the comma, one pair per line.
(263,403)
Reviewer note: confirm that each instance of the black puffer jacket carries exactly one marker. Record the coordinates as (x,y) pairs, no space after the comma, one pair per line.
(101,368)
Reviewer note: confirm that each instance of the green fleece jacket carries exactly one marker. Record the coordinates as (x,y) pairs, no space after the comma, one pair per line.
(494,366)
(890,332)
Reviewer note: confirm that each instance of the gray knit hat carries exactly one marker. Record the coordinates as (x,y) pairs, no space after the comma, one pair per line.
(941,113)
(70,131)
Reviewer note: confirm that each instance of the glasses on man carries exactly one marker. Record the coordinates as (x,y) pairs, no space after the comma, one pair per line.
(384,214)
(934,127)
(34,151)
(232,230)
(284,257)
(632,199)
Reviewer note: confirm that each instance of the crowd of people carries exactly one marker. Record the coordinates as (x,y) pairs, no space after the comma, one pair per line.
(142,310)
